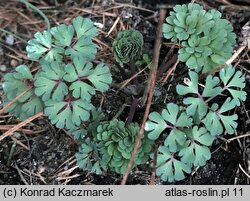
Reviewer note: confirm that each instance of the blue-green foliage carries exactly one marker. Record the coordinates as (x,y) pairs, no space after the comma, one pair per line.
(190,130)
(206,39)
(73,40)
(110,147)
(127,46)
(16,83)
(67,79)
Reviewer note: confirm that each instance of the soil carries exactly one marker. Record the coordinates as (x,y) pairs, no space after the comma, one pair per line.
(43,154)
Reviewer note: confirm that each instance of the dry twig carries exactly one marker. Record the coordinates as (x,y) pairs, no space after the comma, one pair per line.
(20,125)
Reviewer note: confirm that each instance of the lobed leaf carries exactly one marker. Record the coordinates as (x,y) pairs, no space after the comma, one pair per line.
(63,35)
(101,77)
(169,168)
(215,120)
(67,114)
(192,85)
(84,47)
(195,150)
(232,81)
(49,82)
(174,119)
(84,27)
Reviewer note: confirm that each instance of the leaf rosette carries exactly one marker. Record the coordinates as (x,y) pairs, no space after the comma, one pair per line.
(127,46)
(206,39)
(118,143)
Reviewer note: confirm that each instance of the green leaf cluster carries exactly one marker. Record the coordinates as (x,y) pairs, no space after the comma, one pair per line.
(67,90)
(118,142)
(67,79)
(62,40)
(16,83)
(200,105)
(88,157)
(189,131)
(127,46)
(109,145)
(206,39)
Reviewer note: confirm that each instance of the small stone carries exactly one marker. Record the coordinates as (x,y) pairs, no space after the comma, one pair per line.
(9,40)
(16,135)
(99,25)
(3,68)
(13,63)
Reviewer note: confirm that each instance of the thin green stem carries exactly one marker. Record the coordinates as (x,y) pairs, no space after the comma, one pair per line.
(14,35)
(37,10)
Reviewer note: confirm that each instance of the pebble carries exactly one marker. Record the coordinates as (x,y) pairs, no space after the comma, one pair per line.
(13,63)
(9,40)
(3,68)
(16,135)
(99,25)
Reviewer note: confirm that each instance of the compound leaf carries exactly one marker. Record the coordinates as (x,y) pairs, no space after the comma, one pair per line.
(176,119)
(88,157)
(169,168)
(16,83)
(232,81)
(49,82)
